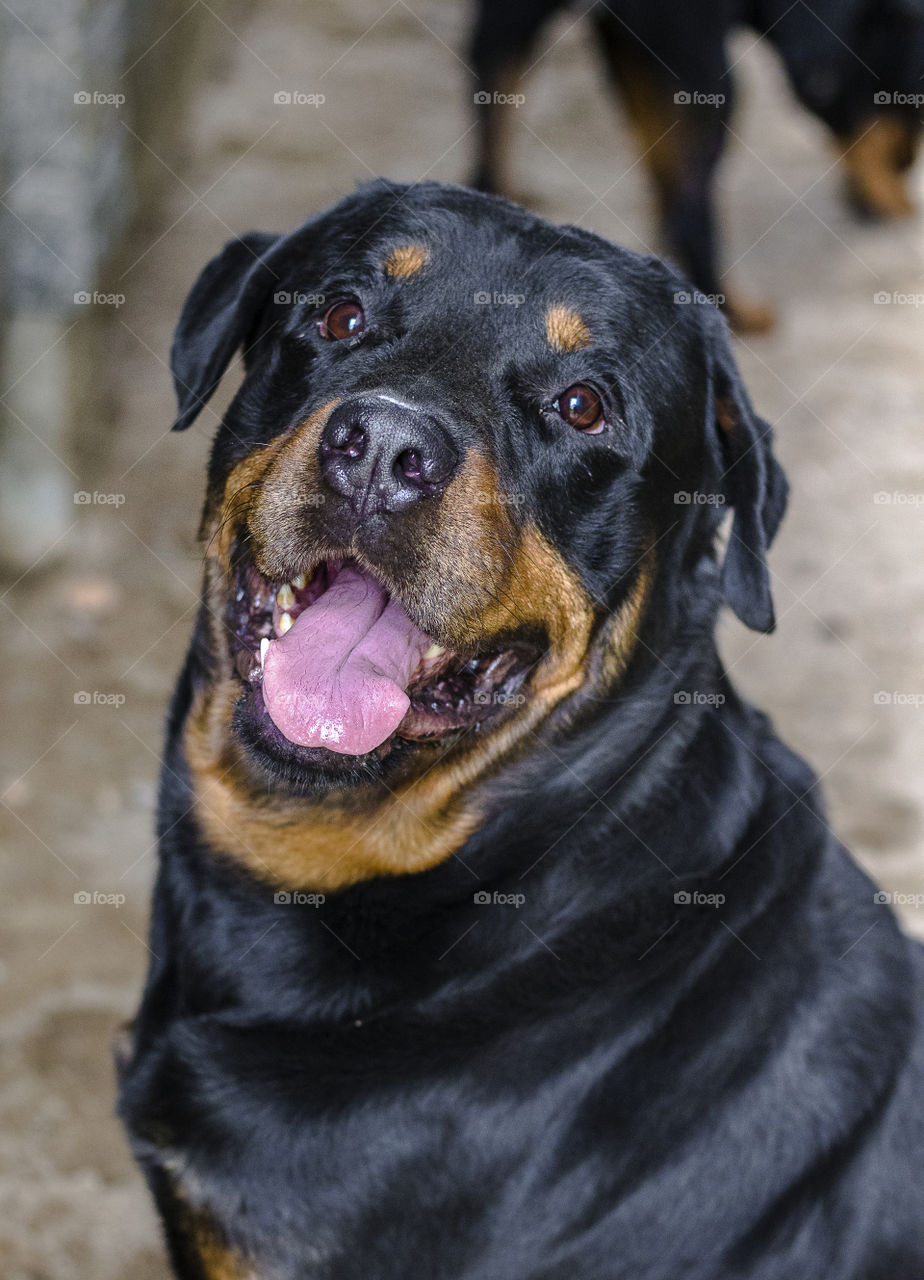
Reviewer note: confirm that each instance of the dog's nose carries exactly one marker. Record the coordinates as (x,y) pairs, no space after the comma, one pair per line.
(384,455)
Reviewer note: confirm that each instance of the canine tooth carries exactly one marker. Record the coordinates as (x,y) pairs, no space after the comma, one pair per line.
(435,651)
(285,597)
(264,645)
(285,621)
(300,582)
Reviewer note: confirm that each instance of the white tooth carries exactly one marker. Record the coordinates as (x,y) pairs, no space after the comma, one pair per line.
(300,582)
(435,651)
(285,597)
(285,621)
(264,645)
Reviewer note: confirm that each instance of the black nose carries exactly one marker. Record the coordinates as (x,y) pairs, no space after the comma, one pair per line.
(385,455)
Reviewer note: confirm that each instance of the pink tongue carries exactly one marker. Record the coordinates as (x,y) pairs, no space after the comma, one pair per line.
(337,678)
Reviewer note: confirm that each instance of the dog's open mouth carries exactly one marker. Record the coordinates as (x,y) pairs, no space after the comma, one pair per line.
(341,666)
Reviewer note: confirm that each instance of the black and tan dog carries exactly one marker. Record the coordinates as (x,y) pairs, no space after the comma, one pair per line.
(495,937)
(858,65)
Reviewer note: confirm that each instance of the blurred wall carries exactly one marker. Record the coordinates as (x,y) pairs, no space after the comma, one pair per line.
(82,82)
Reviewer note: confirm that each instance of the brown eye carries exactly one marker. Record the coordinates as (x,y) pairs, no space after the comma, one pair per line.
(343,320)
(582,408)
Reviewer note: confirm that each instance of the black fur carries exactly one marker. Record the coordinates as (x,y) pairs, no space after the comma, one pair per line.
(842,58)
(605,1081)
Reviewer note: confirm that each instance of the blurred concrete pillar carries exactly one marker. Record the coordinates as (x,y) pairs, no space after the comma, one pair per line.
(78,80)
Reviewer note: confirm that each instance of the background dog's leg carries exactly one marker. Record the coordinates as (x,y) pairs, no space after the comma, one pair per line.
(681,142)
(503,37)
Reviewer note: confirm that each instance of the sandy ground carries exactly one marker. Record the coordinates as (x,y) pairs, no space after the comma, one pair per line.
(842,377)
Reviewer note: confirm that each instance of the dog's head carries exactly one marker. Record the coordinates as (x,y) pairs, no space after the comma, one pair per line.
(470,453)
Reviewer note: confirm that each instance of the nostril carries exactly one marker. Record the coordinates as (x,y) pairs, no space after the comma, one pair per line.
(348,443)
(355,444)
(408,466)
(426,468)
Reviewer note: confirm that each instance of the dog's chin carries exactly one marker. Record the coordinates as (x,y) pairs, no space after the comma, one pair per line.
(455,697)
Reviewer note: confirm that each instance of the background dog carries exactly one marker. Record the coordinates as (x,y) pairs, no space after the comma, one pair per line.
(857,65)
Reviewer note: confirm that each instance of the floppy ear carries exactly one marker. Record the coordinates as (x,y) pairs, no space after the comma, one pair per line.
(753,484)
(216,318)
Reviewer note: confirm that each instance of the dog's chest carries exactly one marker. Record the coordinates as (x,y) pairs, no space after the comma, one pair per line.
(368,1166)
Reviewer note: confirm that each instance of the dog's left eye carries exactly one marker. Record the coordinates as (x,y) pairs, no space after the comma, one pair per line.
(343,320)
(581,407)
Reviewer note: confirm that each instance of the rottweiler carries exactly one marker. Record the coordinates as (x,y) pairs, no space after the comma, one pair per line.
(858,65)
(494,936)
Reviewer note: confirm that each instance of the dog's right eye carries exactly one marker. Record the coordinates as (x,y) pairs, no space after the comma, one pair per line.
(581,407)
(344,319)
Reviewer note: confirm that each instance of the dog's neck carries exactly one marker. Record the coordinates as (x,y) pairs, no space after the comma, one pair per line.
(613,812)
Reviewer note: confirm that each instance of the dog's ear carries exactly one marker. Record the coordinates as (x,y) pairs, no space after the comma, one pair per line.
(216,317)
(752,481)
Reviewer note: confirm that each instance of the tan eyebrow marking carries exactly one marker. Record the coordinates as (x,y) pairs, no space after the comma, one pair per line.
(406,260)
(565,329)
